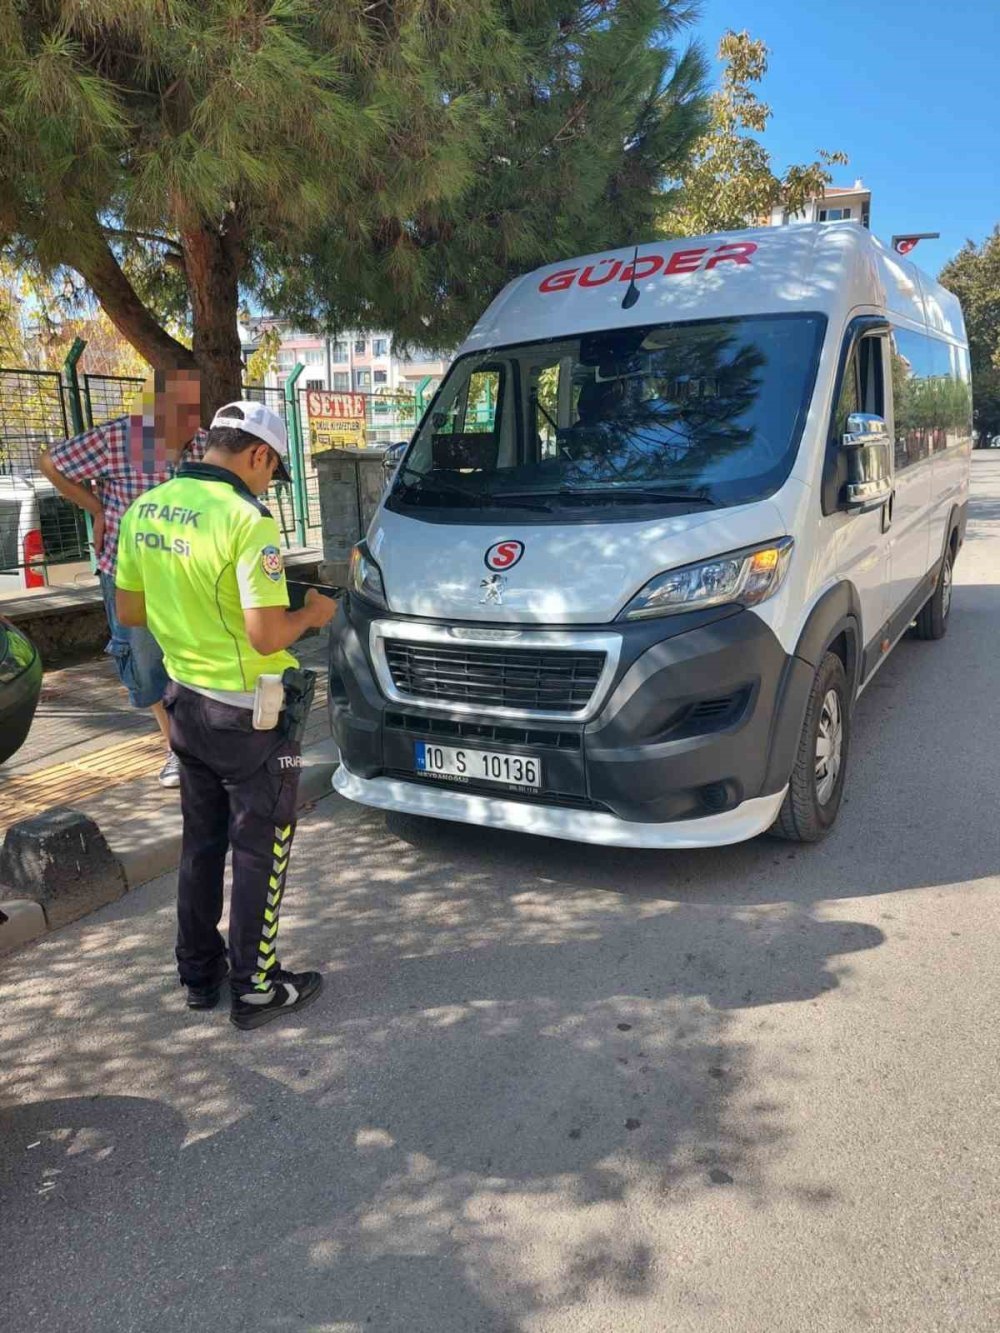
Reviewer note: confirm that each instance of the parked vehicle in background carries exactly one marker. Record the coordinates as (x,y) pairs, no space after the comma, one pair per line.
(37,525)
(20,686)
(635,600)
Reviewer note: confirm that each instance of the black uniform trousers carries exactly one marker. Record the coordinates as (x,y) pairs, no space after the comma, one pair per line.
(238,789)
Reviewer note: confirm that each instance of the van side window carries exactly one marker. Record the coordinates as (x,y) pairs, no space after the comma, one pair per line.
(952,396)
(932,396)
(849,400)
(863,387)
(912,396)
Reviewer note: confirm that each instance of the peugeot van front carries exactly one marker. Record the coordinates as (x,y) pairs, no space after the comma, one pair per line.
(599,595)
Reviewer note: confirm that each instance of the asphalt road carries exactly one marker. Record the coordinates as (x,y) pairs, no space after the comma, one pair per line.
(549,1088)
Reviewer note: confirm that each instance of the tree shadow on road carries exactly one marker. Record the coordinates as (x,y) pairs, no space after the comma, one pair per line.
(498,1068)
(526,1049)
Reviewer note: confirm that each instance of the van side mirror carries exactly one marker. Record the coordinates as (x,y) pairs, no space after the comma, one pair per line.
(869,463)
(391,460)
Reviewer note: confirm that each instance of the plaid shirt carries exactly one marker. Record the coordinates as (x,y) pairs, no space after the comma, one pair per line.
(115,457)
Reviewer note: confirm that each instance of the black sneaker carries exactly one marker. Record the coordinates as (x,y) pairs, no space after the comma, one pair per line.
(204,997)
(290,992)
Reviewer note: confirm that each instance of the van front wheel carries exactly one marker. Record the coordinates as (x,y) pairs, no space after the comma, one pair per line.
(816,785)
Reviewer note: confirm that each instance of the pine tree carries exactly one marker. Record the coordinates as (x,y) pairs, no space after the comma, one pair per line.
(369,162)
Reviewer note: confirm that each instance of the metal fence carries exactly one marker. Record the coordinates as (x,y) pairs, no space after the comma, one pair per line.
(41,407)
(108,396)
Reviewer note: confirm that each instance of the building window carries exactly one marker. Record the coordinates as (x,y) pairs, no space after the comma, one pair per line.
(286,359)
(360,347)
(380,347)
(315,384)
(364,378)
(381,377)
(314,356)
(341,381)
(834,214)
(338,351)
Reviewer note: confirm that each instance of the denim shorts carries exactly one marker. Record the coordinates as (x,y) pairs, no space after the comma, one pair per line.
(138,657)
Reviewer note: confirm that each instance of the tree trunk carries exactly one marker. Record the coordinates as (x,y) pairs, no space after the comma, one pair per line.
(214,257)
(130,317)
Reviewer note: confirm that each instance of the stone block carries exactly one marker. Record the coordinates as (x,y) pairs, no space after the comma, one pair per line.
(61,860)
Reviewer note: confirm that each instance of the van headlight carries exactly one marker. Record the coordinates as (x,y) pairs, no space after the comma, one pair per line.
(746,577)
(365,578)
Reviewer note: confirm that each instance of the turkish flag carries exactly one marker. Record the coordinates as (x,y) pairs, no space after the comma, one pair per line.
(905,244)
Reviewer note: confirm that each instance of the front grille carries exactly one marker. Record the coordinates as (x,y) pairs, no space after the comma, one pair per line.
(545,680)
(494,732)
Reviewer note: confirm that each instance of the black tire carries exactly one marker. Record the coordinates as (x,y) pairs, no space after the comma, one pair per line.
(932,618)
(804,816)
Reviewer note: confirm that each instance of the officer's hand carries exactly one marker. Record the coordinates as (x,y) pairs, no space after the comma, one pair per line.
(321,608)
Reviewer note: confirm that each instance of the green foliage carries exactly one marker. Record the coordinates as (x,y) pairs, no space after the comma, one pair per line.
(974,276)
(385,164)
(265,359)
(572,148)
(730,182)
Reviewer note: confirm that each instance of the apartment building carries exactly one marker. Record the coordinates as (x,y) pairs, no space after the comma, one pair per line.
(352,363)
(836,204)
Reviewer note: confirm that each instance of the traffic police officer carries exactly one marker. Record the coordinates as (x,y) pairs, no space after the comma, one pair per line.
(199,562)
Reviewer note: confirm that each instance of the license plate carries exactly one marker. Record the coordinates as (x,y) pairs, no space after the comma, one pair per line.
(506,770)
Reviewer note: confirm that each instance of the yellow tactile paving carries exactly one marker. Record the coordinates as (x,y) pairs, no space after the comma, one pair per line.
(68,783)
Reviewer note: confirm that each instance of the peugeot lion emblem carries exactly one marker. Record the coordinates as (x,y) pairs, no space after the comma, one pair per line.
(500,556)
(493,589)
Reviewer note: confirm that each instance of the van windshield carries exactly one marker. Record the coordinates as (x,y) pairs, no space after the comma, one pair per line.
(687,414)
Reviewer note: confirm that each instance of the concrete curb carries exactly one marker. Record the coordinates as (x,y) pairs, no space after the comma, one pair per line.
(121,867)
(21,921)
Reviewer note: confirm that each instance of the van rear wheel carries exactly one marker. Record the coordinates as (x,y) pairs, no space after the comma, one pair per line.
(816,785)
(932,618)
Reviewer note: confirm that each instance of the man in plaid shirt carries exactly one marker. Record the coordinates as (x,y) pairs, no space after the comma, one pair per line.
(103,471)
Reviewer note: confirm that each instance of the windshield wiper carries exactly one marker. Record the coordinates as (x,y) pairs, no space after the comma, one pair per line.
(635,494)
(424,486)
(429,487)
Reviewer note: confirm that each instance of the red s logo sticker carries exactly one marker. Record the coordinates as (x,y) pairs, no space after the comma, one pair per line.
(504,555)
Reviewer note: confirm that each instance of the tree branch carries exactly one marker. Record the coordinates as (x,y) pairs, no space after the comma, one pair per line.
(143,236)
(98,267)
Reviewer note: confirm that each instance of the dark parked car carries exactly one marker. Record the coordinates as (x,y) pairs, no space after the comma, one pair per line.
(20,686)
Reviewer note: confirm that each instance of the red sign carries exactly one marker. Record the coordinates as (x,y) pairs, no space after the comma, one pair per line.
(504,555)
(339,406)
(647,266)
(905,244)
(336,420)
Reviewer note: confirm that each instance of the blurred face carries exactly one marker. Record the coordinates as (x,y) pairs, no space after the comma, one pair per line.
(178,407)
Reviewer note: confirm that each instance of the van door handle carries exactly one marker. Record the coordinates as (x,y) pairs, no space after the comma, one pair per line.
(887,509)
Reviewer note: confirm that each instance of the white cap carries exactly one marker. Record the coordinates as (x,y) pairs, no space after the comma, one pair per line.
(257,419)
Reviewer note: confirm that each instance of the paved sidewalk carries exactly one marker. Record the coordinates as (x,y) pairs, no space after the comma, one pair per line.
(89,749)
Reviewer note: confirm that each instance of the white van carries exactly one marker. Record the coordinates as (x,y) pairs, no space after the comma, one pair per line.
(663,521)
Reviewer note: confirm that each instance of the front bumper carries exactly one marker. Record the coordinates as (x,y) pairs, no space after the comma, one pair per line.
(690,744)
(413,798)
